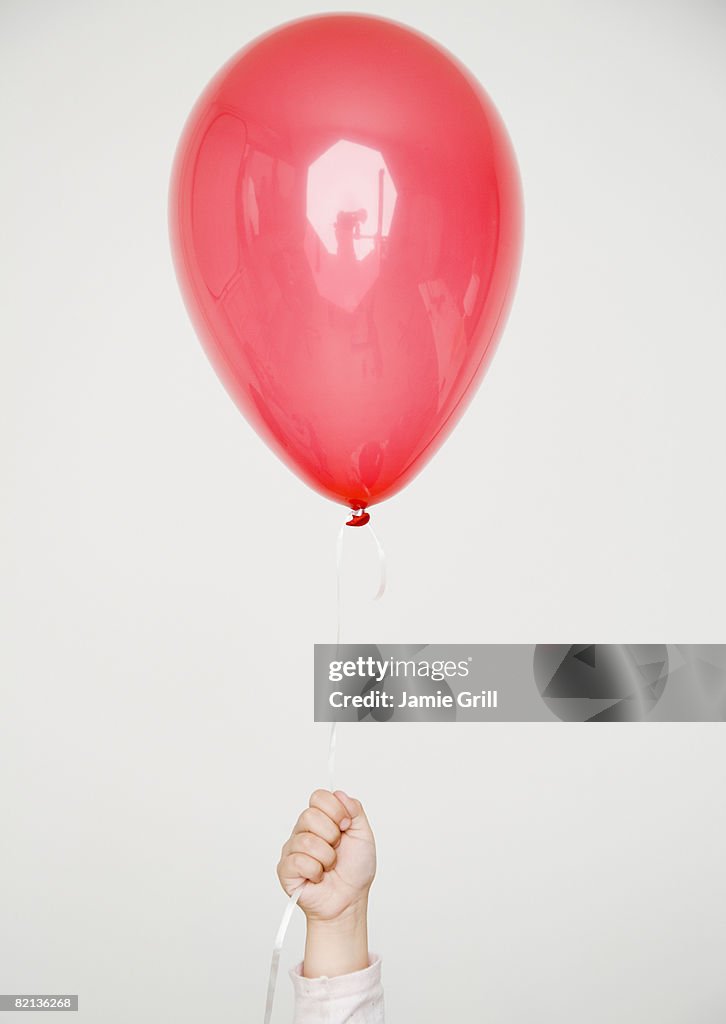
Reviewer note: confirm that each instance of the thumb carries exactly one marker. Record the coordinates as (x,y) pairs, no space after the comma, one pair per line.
(354,809)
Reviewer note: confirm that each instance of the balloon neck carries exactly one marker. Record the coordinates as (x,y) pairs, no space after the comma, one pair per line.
(360,518)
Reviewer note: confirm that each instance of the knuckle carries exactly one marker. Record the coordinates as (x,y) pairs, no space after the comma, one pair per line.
(325,827)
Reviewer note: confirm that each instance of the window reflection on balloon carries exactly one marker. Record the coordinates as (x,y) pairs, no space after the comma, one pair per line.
(350,203)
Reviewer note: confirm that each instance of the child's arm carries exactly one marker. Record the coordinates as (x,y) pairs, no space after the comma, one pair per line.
(333,851)
(332,848)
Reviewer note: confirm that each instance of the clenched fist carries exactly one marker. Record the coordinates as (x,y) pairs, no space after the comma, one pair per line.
(332,849)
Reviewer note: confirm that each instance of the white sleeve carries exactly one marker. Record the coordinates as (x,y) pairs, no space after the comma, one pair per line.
(350,999)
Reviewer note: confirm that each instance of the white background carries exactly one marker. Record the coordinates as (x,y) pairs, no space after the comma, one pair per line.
(164,577)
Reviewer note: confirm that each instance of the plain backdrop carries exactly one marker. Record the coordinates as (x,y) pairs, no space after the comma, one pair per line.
(164,577)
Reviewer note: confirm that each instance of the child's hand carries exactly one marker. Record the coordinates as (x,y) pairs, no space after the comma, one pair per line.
(333,848)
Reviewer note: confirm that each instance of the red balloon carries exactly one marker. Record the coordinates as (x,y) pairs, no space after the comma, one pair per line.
(346,223)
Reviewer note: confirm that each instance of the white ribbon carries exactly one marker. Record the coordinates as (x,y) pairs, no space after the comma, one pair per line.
(277,949)
(381,565)
(295,896)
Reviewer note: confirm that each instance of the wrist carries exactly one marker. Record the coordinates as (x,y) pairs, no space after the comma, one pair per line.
(345,920)
(337,945)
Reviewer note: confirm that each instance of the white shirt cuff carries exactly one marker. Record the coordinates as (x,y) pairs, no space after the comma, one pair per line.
(349,999)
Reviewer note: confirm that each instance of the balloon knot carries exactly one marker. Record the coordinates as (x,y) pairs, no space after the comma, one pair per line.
(360,518)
